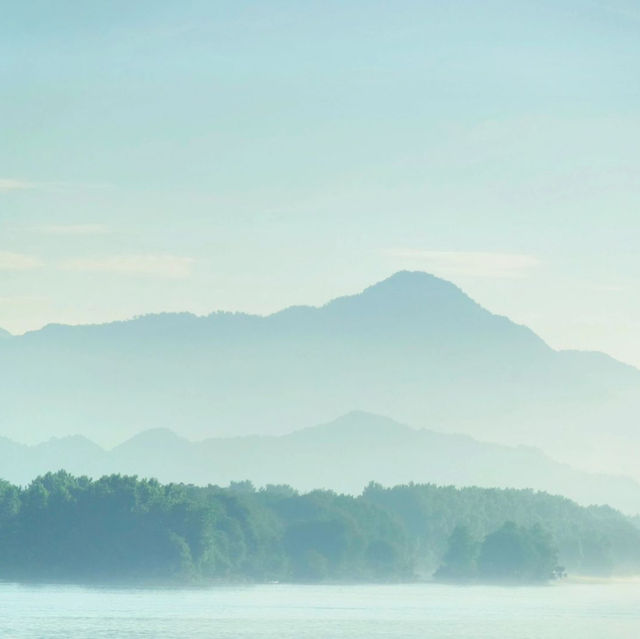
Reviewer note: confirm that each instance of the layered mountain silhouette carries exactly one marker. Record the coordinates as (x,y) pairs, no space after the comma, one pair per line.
(413,346)
(343,455)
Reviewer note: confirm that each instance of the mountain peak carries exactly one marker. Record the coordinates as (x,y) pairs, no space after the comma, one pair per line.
(408,283)
(151,439)
(355,425)
(412,295)
(77,443)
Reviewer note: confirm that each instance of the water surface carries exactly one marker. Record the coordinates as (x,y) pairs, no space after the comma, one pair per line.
(565,610)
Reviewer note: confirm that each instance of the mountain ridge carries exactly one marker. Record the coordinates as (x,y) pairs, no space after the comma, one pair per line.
(400,286)
(413,346)
(344,454)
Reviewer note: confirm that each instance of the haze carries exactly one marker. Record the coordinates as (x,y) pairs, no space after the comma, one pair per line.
(312,313)
(234,155)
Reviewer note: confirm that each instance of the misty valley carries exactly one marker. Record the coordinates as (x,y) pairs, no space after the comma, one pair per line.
(319,320)
(356,499)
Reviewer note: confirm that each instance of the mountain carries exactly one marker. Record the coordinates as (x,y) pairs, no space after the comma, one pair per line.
(343,455)
(413,346)
(20,463)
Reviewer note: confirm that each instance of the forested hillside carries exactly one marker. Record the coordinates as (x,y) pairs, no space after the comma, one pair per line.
(343,455)
(121,528)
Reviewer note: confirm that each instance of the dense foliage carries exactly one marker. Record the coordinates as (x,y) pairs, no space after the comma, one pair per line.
(511,553)
(62,527)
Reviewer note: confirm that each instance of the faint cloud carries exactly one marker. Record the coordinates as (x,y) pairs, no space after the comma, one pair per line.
(171,266)
(473,264)
(72,229)
(10,184)
(13,184)
(17,261)
(76,186)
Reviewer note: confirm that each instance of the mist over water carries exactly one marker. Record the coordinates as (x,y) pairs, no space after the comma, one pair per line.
(560,611)
(318,320)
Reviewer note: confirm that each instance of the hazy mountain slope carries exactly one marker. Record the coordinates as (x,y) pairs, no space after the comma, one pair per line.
(343,455)
(413,346)
(20,463)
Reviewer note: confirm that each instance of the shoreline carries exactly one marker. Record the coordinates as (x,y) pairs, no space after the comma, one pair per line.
(574,580)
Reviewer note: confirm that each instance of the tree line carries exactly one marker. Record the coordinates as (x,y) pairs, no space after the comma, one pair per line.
(122,528)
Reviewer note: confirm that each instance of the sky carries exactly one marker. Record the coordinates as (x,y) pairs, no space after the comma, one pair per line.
(200,156)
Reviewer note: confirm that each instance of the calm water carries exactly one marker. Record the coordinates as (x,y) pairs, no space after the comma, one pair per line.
(567,611)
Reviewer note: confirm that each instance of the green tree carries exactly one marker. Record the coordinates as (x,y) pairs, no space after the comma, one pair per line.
(460,558)
(520,554)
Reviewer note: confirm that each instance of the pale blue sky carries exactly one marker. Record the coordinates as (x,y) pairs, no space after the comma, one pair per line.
(252,155)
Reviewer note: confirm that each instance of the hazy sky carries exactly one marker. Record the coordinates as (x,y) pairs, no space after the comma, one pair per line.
(252,155)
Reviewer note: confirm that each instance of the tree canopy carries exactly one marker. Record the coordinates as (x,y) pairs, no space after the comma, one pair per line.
(121,528)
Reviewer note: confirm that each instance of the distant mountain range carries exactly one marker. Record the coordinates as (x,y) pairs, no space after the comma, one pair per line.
(343,455)
(413,346)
